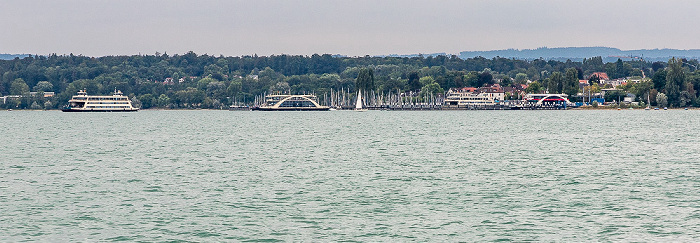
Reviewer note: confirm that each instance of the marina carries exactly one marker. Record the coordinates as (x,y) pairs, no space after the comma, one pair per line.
(462,99)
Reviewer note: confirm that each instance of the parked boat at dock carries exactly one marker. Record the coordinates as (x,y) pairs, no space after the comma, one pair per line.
(358,103)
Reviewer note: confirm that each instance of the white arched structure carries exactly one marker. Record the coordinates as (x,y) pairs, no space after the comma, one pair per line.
(291,103)
(298,98)
(540,99)
(560,96)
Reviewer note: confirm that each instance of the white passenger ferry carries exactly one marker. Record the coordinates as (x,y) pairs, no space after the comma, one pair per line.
(94,103)
(472,96)
(282,102)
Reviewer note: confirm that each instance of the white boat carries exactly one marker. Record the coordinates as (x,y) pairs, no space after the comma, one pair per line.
(358,103)
(82,102)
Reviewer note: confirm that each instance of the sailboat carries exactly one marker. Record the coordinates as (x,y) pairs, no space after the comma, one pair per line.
(358,103)
(648,102)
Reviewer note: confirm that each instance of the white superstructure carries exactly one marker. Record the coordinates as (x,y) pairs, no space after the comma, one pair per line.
(472,96)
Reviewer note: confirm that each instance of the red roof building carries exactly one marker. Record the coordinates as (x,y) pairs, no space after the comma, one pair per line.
(601,75)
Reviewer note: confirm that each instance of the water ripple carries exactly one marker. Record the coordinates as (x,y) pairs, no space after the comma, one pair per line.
(346,176)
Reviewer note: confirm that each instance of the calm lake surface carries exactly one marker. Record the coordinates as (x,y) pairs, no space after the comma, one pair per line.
(629,175)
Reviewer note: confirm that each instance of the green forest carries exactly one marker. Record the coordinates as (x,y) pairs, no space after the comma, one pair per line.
(192,81)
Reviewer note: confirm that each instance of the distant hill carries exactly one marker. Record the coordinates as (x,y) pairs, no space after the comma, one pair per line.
(12,56)
(578,53)
(415,55)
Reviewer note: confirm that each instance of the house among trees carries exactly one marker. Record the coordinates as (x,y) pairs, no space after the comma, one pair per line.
(494,88)
(615,82)
(465,90)
(42,94)
(601,76)
(582,83)
(514,92)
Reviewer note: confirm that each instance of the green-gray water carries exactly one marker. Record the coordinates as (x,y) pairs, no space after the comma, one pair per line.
(350,176)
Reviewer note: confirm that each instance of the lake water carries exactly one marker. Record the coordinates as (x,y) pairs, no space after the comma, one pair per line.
(629,175)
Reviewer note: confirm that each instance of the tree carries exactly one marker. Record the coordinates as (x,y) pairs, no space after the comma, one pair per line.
(691,94)
(163,100)
(615,95)
(653,93)
(555,83)
(147,101)
(521,78)
(431,89)
(190,97)
(234,88)
(426,80)
(636,72)
(414,81)
(19,87)
(686,98)
(657,65)
(534,88)
(674,80)
(485,78)
(506,81)
(216,90)
(280,87)
(571,87)
(661,100)
(35,106)
(594,64)
(659,80)
(365,80)
(619,69)
(641,89)
(594,79)
(472,79)
(202,83)
(579,73)
(43,86)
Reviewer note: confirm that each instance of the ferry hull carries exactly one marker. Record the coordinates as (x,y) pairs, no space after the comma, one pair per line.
(291,109)
(76,110)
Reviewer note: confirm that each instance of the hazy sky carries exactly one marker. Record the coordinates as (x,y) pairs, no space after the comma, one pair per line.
(355,28)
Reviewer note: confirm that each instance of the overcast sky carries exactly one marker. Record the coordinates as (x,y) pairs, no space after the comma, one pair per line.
(354,28)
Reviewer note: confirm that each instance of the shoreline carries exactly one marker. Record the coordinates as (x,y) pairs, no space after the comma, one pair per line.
(577,108)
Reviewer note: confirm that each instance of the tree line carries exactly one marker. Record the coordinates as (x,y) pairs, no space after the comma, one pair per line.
(205,81)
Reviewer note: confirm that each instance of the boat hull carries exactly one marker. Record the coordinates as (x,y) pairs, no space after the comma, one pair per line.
(76,110)
(291,109)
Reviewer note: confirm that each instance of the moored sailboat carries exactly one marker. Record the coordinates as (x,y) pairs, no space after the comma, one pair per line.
(358,103)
